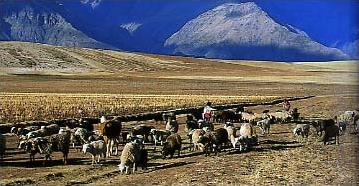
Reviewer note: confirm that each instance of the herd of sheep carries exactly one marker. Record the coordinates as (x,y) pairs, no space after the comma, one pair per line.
(101,137)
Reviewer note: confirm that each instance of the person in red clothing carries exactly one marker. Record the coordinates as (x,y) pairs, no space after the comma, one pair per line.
(207,112)
(286,105)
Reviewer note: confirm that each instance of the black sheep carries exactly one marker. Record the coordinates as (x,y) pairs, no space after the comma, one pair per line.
(331,132)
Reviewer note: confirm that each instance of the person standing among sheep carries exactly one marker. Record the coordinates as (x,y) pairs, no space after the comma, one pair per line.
(207,112)
(286,105)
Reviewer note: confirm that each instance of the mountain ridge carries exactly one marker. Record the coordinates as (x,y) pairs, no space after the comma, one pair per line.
(244,31)
(140,26)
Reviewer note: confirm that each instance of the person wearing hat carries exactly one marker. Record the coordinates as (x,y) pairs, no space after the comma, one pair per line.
(207,112)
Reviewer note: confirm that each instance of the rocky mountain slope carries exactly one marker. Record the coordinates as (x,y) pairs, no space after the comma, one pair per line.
(214,29)
(41,22)
(245,31)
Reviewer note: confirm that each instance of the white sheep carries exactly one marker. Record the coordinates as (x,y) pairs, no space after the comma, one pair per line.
(95,148)
(301,130)
(103,119)
(129,156)
(251,117)
(196,135)
(80,136)
(281,117)
(264,125)
(172,126)
(246,137)
(231,134)
(160,135)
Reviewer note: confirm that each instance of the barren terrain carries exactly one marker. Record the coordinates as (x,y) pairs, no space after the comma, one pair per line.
(279,159)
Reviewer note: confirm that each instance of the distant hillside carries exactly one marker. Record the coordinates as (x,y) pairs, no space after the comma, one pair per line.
(245,31)
(22,58)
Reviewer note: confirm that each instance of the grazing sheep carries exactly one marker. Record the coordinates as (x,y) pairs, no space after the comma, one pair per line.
(321,125)
(55,143)
(342,127)
(251,117)
(230,116)
(159,135)
(79,136)
(264,125)
(220,139)
(173,143)
(95,148)
(20,131)
(172,125)
(144,130)
(281,117)
(52,129)
(344,120)
(31,146)
(302,129)
(217,116)
(331,131)
(246,137)
(246,142)
(231,133)
(196,135)
(246,130)
(37,133)
(207,143)
(111,130)
(2,146)
(130,156)
(44,131)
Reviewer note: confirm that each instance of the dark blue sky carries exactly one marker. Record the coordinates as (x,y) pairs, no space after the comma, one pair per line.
(326,21)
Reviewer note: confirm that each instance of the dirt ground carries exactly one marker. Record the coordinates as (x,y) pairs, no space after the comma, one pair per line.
(280,158)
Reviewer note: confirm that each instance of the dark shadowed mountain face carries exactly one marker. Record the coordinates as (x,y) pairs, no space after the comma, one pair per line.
(206,28)
(41,22)
(244,31)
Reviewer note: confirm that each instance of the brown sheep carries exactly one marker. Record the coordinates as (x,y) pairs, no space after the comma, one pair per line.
(173,143)
(111,130)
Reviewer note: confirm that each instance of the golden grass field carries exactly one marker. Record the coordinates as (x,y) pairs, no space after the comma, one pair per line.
(44,82)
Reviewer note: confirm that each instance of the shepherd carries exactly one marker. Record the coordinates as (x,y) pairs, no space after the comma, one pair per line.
(207,112)
(286,105)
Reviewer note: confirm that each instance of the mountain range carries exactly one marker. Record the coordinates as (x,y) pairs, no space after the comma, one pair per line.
(214,29)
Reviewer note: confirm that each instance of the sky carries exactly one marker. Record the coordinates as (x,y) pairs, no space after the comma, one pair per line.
(326,21)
